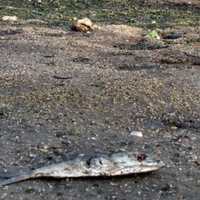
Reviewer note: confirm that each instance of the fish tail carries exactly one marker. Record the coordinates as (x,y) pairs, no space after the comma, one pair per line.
(15,179)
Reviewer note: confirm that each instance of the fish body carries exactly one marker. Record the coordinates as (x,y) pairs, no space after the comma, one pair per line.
(115,164)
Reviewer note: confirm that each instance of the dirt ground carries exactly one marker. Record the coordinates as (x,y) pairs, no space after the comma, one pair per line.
(64,93)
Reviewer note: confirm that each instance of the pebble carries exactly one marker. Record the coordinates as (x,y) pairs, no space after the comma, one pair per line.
(136,133)
(10,18)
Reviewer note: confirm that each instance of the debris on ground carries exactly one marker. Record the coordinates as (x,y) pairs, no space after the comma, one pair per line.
(10,18)
(83,25)
(136,133)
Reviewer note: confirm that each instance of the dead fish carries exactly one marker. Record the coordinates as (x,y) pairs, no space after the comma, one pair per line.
(114,164)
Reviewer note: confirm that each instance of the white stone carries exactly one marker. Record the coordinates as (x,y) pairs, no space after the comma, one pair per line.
(10,18)
(136,133)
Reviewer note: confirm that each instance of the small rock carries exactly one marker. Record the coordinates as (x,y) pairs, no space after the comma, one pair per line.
(136,133)
(82,25)
(31,155)
(93,138)
(10,18)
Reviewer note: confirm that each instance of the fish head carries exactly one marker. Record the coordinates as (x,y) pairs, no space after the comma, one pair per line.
(136,163)
(149,164)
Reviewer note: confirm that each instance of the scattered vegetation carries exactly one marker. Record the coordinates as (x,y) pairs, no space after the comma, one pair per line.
(61,12)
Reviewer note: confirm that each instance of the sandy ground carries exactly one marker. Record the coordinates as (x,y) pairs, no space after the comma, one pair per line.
(64,92)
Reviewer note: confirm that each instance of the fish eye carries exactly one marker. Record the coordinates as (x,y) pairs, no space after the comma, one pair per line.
(141,157)
(88,162)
